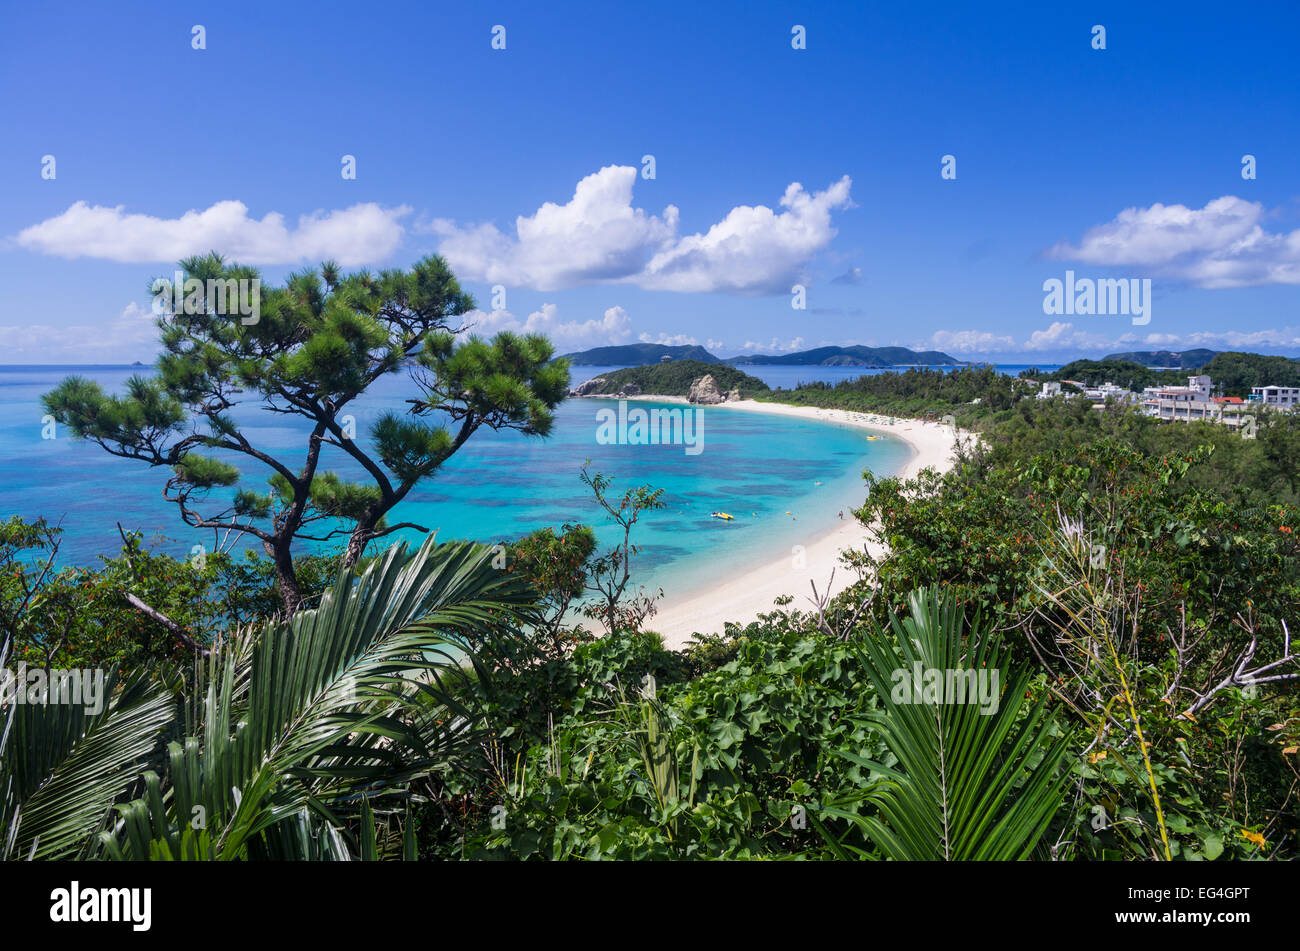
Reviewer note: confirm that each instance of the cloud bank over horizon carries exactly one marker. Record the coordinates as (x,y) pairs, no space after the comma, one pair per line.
(1064,337)
(599,237)
(130,336)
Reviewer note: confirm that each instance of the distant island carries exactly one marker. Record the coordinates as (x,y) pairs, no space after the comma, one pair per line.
(638,354)
(855,356)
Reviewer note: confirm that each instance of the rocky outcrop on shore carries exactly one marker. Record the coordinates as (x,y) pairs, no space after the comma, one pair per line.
(705,391)
(589,387)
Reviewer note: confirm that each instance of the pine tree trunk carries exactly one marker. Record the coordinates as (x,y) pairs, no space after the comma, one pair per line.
(286,578)
(359,539)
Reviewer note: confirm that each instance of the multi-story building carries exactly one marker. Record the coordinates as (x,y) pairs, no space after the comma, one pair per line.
(1197,388)
(1278,397)
(1185,404)
(1107,391)
(1227,412)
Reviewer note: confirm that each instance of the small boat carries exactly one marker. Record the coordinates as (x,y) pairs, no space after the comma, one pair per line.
(722,515)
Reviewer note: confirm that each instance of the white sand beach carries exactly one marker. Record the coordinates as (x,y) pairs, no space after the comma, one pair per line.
(745,596)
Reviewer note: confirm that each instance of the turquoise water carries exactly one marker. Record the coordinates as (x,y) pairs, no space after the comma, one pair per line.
(757,466)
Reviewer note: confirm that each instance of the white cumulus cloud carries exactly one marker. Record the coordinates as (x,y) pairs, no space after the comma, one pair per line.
(1062,336)
(775,345)
(615,326)
(970,341)
(670,340)
(361,234)
(1221,245)
(599,237)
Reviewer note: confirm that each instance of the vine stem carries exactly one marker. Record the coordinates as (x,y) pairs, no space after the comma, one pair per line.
(1142,744)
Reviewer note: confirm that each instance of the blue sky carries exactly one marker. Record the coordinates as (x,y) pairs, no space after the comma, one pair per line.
(522,167)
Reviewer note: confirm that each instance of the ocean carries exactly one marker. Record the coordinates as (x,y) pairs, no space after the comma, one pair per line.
(784,480)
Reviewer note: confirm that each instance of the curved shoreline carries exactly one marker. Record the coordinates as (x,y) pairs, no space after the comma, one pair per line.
(742,597)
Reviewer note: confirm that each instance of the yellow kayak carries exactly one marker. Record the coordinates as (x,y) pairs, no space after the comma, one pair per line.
(722,515)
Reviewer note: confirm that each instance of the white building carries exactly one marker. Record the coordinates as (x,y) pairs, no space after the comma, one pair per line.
(1199,388)
(1194,402)
(1229,413)
(1280,397)
(1108,391)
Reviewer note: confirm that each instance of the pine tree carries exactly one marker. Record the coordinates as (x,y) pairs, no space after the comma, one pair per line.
(313,347)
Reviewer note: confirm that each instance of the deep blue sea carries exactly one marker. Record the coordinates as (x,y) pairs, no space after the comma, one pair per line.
(783,479)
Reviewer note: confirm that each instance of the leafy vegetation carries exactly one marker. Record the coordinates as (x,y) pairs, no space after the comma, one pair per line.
(968,782)
(291,740)
(1122,592)
(970,395)
(82,617)
(1154,598)
(1125,373)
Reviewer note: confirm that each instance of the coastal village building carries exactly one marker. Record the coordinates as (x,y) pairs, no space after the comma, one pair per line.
(1098,394)
(1185,404)
(1228,412)
(1279,397)
(1108,391)
(1199,388)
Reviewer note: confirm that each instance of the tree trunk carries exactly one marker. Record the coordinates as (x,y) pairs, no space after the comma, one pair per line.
(360,537)
(286,578)
(356,545)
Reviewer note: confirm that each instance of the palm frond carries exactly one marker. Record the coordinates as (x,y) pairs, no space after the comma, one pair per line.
(63,766)
(344,703)
(969,783)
